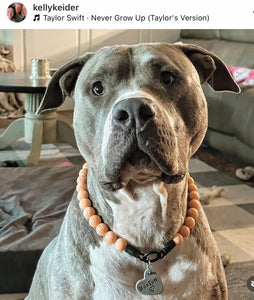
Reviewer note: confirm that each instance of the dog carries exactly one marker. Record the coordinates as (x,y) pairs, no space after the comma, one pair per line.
(140,114)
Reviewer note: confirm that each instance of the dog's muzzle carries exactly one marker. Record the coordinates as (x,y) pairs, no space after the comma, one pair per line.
(136,139)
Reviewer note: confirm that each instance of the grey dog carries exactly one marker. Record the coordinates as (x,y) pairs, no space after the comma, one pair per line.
(140,114)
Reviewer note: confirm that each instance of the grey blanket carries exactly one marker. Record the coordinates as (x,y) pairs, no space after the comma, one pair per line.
(33,202)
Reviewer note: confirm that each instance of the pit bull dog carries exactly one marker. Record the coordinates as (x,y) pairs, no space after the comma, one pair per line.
(140,114)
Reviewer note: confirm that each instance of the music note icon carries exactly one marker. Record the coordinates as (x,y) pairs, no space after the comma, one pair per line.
(36,18)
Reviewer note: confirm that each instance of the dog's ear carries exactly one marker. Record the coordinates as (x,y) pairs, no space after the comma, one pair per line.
(210,68)
(62,83)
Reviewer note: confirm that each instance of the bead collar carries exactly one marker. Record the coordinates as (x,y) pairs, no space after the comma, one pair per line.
(120,243)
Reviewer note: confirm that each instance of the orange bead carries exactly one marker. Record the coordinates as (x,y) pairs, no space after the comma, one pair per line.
(88,212)
(194,195)
(84,203)
(81,186)
(184,231)
(94,221)
(81,179)
(82,173)
(190,222)
(178,239)
(190,180)
(192,212)
(85,165)
(192,187)
(194,204)
(121,244)
(82,195)
(110,237)
(102,229)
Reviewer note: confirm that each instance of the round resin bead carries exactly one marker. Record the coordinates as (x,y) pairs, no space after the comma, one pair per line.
(88,212)
(82,195)
(184,231)
(102,229)
(194,204)
(192,212)
(94,221)
(81,179)
(194,195)
(178,239)
(190,180)
(84,203)
(192,187)
(85,165)
(110,237)
(190,222)
(82,172)
(81,186)
(121,244)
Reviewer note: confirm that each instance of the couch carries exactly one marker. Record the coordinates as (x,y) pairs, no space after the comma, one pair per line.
(231,116)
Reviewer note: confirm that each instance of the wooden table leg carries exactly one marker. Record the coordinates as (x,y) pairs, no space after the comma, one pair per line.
(14,131)
(38,129)
(65,134)
(34,156)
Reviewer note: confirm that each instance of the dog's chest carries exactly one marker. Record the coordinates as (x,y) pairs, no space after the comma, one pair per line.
(115,274)
(140,216)
(140,219)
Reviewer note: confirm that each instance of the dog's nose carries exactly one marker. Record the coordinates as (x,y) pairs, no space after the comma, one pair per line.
(131,113)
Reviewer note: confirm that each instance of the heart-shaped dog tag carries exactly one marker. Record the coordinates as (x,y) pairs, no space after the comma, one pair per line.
(150,285)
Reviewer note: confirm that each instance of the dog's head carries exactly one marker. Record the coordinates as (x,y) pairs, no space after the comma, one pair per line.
(140,112)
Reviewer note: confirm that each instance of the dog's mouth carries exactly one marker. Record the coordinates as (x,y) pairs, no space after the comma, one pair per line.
(141,168)
(145,165)
(139,159)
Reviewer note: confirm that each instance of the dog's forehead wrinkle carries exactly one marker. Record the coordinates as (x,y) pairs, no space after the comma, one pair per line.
(134,92)
(125,60)
(111,61)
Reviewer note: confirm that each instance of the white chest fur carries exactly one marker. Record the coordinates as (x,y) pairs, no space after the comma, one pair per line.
(141,218)
(116,273)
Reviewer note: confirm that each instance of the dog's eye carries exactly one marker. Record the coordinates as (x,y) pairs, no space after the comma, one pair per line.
(98,88)
(167,77)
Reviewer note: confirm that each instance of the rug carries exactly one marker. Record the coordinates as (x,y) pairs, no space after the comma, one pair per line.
(231,215)
(231,218)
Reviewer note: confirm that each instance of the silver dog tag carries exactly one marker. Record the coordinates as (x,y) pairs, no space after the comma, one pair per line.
(151,284)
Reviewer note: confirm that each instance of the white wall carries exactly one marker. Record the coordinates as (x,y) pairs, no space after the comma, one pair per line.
(6,40)
(61,45)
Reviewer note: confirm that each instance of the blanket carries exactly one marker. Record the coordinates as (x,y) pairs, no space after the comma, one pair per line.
(11,104)
(242,75)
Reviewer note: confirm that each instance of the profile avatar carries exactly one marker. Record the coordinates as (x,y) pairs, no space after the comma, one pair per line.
(16,12)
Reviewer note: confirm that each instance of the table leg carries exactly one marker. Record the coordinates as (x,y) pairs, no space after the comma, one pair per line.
(12,133)
(34,156)
(65,134)
(39,128)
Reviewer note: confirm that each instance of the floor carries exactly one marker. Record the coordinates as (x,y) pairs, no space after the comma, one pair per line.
(231,214)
